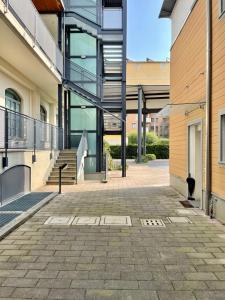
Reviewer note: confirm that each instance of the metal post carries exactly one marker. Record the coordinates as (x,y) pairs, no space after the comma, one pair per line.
(51,141)
(139,124)
(62,167)
(65,120)
(35,141)
(60,89)
(5,158)
(124,108)
(144,133)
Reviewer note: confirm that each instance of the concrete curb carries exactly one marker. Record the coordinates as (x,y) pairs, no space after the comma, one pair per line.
(21,219)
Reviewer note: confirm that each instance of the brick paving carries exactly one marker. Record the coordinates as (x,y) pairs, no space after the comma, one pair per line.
(180,261)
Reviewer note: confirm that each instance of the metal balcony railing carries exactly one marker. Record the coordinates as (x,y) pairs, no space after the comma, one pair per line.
(20,132)
(26,13)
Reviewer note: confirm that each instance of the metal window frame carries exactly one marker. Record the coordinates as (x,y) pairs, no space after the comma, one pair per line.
(220,161)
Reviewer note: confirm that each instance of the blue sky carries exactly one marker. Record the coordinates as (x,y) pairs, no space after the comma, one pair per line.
(148,36)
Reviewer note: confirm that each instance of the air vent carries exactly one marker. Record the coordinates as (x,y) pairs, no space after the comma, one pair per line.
(152,223)
(179,220)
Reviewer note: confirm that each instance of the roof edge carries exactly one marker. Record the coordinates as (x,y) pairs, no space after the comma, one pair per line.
(167,8)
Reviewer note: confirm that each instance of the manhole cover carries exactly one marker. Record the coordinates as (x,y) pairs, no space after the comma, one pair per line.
(152,223)
(186,212)
(115,220)
(86,221)
(179,220)
(59,221)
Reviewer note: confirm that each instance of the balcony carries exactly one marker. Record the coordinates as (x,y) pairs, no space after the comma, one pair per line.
(27,15)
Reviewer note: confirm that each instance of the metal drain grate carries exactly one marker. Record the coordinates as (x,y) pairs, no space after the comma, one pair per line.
(179,220)
(6,218)
(25,202)
(152,223)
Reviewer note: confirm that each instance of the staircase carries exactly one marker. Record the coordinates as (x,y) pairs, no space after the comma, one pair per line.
(69,174)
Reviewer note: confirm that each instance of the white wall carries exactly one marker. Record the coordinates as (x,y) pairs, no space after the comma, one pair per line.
(179,16)
(32,97)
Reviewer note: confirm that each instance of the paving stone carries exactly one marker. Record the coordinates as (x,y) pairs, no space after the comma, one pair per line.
(66,294)
(200,276)
(20,282)
(121,285)
(207,295)
(156,285)
(189,285)
(30,293)
(216,285)
(177,295)
(6,291)
(87,284)
(120,295)
(79,275)
(42,274)
(54,283)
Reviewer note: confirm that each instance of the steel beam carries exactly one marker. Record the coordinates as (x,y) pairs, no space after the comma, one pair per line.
(144,129)
(140,94)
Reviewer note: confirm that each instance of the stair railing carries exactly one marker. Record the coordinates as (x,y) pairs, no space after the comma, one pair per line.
(83,78)
(82,152)
(91,11)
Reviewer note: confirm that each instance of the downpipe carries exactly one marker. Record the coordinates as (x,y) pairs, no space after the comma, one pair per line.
(208,206)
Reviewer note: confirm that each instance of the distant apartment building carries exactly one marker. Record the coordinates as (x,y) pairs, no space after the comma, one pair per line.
(155,123)
(197,110)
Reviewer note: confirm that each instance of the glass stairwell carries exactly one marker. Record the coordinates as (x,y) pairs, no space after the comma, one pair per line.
(85,14)
(83,82)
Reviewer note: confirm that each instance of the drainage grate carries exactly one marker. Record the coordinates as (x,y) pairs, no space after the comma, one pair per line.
(6,218)
(152,223)
(25,202)
(179,220)
(116,221)
(86,221)
(59,221)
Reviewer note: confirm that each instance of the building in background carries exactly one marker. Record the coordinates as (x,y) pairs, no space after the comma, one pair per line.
(154,123)
(197,130)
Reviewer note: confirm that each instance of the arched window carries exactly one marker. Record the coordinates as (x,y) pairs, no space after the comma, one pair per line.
(12,100)
(43,114)
(15,121)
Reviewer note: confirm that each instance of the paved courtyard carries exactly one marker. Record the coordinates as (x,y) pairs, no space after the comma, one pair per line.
(179,261)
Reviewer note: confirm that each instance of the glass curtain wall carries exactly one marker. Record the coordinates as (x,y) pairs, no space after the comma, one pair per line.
(82,51)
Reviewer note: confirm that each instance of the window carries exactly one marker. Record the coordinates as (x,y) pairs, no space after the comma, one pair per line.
(43,114)
(222,6)
(133,125)
(12,100)
(13,103)
(222,137)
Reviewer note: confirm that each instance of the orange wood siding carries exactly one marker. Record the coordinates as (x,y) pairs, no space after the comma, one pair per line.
(188,61)
(218,98)
(44,6)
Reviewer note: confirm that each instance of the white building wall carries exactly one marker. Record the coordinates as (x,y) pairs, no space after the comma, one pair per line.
(179,16)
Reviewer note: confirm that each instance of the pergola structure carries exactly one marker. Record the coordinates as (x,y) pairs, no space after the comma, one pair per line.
(143,100)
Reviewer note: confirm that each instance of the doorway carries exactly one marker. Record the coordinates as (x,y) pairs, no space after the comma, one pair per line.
(195,159)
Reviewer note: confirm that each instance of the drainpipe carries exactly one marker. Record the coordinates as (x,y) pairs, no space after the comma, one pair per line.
(208,107)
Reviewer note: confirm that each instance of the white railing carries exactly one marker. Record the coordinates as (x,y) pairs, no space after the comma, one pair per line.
(29,17)
(82,152)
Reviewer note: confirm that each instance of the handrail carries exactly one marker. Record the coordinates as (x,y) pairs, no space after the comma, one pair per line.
(26,14)
(82,77)
(82,152)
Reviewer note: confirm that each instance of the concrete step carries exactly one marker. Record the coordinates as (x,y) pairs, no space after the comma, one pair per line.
(66,178)
(69,169)
(65,161)
(56,182)
(64,173)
